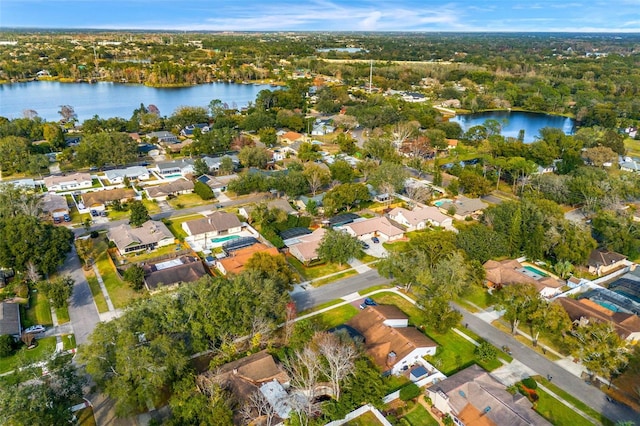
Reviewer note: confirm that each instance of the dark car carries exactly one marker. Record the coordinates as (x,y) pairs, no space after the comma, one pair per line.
(56,220)
(368,302)
(364,245)
(94,213)
(375,240)
(103,213)
(67,218)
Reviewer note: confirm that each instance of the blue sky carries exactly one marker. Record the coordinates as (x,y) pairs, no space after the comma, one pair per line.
(327,15)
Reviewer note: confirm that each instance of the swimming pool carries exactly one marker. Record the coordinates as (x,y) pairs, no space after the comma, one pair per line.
(609,306)
(224,239)
(536,271)
(440,202)
(173,176)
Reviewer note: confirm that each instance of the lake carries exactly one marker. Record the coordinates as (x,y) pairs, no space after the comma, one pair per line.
(116,100)
(513,121)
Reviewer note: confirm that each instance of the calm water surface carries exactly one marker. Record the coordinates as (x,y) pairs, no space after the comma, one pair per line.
(512,122)
(115,100)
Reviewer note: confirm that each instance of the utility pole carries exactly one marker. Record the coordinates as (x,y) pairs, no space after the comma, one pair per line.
(371,76)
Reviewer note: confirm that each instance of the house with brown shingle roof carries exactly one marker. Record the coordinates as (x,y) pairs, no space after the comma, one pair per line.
(582,311)
(601,261)
(420,217)
(215,225)
(176,187)
(54,205)
(380,227)
(149,236)
(97,200)
(169,273)
(388,340)
(463,207)
(473,398)
(305,247)
(237,260)
(510,271)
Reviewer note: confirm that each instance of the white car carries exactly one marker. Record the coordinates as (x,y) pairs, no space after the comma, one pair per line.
(35,329)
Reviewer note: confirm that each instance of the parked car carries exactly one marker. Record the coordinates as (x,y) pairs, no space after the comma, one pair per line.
(364,245)
(94,213)
(375,240)
(56,220)
(67,218)
(368,302)
(39,328)
(103,213)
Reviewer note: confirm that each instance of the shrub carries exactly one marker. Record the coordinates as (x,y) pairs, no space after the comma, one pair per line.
(7,345)
(486,351)
(530,383)
(203,190)
(94,234)
(409,392)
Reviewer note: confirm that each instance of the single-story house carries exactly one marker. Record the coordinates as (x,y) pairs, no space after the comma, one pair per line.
(173,272)
(187,131)
(68,182)
(10,319)
(630,166)
(236,262)
(291,137)
(98,200)
(473,398)
(54,205)
(175,168)
(601,261)
(117,176)
(177,147)
(582,311)
(26,183)
(420,217)
(380,227)
(217,183)
(463,207)
(277,203)
(149,236)
(388,340)
(176,187)
(510,271)
(304,248)
(215,225)
(302,201)
(214,162)
(322,127)
(163,137)
(292,149)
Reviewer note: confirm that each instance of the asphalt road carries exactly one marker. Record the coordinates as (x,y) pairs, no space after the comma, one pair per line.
(565,380)
(82,309)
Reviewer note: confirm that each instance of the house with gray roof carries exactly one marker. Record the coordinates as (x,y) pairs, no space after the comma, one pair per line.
(463,207)
(10,319)
(163,137)
(116,176)
(473,397)
(217,224)
(169,273)
(149,236)
(214,163)
(420,217)
(173,188)
(54,205)
(175,168)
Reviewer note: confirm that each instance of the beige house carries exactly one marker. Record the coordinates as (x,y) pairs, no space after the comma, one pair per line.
(173,188)
(601,261)
(380,227)
(463,207)
(420,217)
(98,200)
(70,182)
(510,271)
(304,248)
(215,225)
(151,235)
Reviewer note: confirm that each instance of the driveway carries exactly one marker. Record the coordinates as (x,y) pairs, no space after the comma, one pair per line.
(82,309)
(375,249)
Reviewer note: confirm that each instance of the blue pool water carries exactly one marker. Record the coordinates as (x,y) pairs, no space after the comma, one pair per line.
(441,202)
(223,239)
(608,306)
(536,271)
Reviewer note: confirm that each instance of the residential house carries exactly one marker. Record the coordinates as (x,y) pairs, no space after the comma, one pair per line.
(322,127)
(217,224)
(473,398)
(163,137)
(582,311)
(187,131)
(117,176)
(388,340)
(303,200)
(254,373)
(217,183)
(70,182)
(173,188)
(292,149)
(601,261)
(175,168)
(149,236)
(304,247)
(5,275)
(414,97)
(380,227)
(169,273)
(26,183)
(463,207)
(630,166)
(277,203)
(237,260)
(10,319)
(98,200)
(341,220)
(291,137)
(178,147)
(214,163)
(54,205)
(510,271)
(420,217)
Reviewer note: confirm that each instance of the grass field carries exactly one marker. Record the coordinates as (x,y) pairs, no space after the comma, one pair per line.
(98,297)
(478,296)
(632,146)
(25,356)
(188,200)
(39,312)
(175,225)
(419,416)
(335,316)
(68,341)
(556,412)
(340,276)
(119,291)
(367,419)
(85,417)
(313,272)
(63,315)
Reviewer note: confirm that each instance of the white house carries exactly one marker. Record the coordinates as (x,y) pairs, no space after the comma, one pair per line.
(380,227)
(117,176)
(216,225)
(68,182)
(176,168)
(420,217)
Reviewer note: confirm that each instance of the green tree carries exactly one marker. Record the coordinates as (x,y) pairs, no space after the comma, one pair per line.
(203,190)
(486,351)
(482,243)
(106,148)
(197,400)
(549,317)
(58,291)
(253,156)
(519,301)
(7,345)
(345,196)
(317,176)
(53,134)
(346,143)
(134,276)
(338,247)
(227,166)
(308,152)
(271,267)
(389,175)
(268,136)
(438,314)
(200,167)
(341,171)
(138,213)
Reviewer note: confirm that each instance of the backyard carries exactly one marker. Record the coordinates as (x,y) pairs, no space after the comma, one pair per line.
(419,416)
(39,311)
(119,291)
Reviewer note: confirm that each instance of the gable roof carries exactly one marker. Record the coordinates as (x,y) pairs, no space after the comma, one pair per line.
(73,177)
(420,214)
(149,232)
(464,206)
(10,319)
(602,257)
(191,269)
(101,197)
(375,224)
(381,340)
(292,136)
(131,172)
(477,399)
(510,271)
(625,324)
(257,368)
(53,202)
(216,222)
(173,164)
(306,246)
(178,185)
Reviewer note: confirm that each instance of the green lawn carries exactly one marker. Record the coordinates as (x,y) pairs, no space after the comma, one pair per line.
(313,272)
(144,255)
(632,146)
(188,200)
(39,312)
(63,315)
(579,404)
(175,224)
(337,277)
(68,341)
(556,412)
(335,316)
(419,416)
(98,297)
(319,307)
(119,291)
(367,419)
(85,417)
(25,356)
(477,296)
